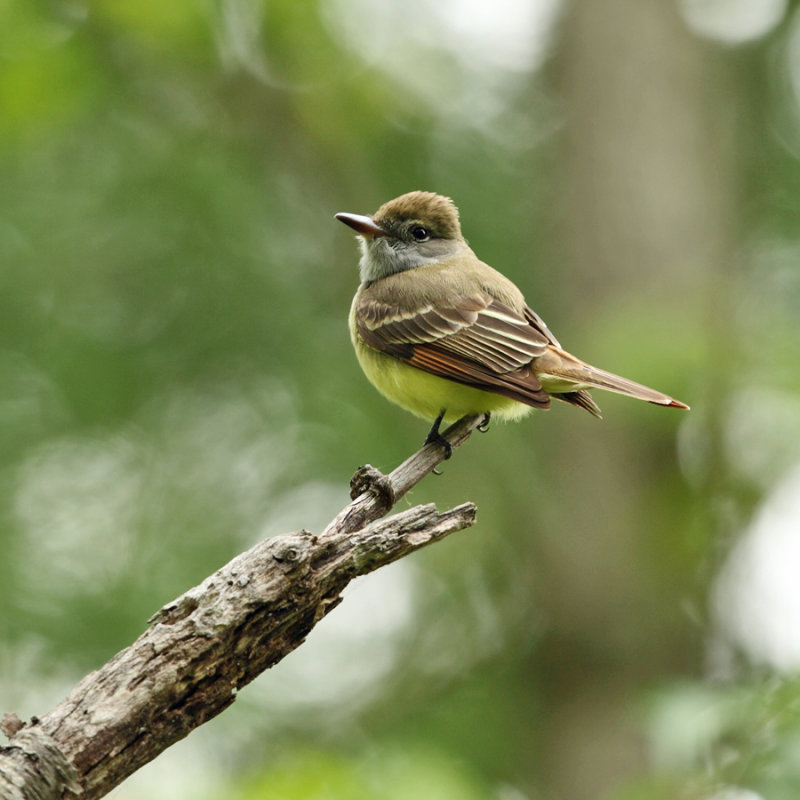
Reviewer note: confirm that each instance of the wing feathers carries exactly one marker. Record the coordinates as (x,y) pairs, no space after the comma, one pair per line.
(475,340)
(474,325)
(497,354)
(521,385)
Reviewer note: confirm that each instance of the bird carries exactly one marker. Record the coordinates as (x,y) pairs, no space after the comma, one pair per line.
(444,335)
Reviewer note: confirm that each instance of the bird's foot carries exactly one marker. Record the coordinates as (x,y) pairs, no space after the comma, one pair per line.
(434,437)
(442,442)
(484,426)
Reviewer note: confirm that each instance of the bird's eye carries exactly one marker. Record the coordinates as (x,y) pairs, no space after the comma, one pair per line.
(420,234)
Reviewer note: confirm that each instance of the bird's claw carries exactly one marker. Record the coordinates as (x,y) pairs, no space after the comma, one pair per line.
(434,437)
(442,442)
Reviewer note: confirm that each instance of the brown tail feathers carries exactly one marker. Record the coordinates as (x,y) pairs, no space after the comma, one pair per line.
(566,377)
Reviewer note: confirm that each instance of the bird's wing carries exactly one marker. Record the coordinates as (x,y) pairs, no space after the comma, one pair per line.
(538,323)
(475,340)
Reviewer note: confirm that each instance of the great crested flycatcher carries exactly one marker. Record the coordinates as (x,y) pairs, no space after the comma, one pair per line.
(444,335)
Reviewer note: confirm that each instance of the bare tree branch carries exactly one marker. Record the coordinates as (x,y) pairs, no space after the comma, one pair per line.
(204,646)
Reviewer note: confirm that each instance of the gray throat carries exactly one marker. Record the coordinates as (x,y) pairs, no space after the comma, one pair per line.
(381,257)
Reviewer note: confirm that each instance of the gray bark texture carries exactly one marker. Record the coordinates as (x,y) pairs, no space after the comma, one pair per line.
(200,649)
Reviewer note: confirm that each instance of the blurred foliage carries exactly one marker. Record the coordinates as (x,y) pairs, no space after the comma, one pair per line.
(176,381)
(399,775)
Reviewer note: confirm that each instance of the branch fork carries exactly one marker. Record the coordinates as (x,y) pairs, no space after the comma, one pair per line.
(205,645)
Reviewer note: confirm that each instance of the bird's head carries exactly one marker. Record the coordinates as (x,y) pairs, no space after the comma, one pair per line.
(412,230)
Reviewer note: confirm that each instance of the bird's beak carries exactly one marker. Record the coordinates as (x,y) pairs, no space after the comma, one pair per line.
(360,224)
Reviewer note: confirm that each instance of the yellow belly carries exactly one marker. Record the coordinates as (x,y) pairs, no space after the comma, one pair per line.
(426,395)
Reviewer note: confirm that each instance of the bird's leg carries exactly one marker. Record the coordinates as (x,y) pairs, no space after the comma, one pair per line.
(434,437)
(484,426)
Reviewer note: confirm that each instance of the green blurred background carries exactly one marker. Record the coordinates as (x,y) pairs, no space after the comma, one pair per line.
(176,381)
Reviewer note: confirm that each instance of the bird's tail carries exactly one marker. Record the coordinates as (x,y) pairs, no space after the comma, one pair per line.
(564,376)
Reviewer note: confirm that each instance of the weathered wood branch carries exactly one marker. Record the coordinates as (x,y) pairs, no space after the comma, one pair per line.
(204,646)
